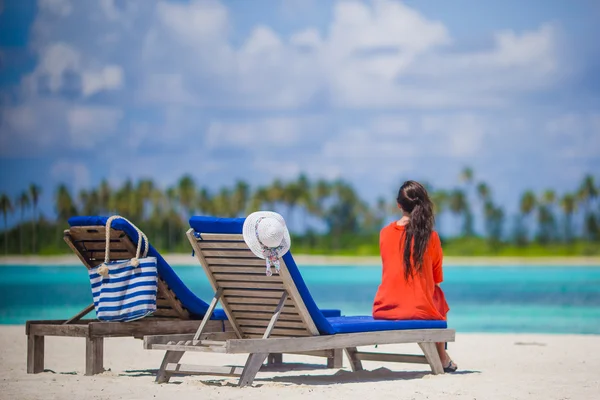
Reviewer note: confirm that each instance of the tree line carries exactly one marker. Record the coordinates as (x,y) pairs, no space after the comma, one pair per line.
(324,215)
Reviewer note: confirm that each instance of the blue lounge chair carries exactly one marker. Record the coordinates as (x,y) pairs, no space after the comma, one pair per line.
(179,310)
(277,314)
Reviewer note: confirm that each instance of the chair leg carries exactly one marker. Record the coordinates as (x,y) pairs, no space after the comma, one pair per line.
(355,363)
(251,368)
(433,357)
(94,356)
(35,354)
(337,361)
(170,357)
(275,359)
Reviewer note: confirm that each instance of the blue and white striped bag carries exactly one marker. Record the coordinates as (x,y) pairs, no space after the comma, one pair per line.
(125,290)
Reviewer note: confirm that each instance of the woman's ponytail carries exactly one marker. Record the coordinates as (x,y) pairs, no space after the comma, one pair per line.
(413,199)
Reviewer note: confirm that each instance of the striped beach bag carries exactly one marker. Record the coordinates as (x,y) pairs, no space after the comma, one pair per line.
(125,290)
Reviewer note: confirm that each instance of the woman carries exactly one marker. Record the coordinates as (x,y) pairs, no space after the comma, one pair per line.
(411,253)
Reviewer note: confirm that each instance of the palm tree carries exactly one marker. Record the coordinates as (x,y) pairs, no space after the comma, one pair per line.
(381,208)
(457,204)
(187,193)
(275,193)
(65,206)
(241,194)
(587,194)
(34,192)
(440,199)
(526,206)
(568,204)
(145,193)
(172,198)
(23,202)
(467,177)
(7,208)
(322,191)
(290,197)
(305,198)
(259,199)
(545,216)
(205,201)
(483,191)
(104,197)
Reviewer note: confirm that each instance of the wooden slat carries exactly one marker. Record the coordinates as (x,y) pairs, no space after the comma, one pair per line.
(69,241)
(164,290)
(342,340)
(242,262)
(258,270)
(224,277)
(251,285)
(94,233)
(244,322)
(192,369)
(222,245)
(74,330)
(276,331)
(267,316)
(164,339)
(235,301)
(162,302)
(268,309)
(166,312)
(229,253)
(183,347)
(388,357)
(200,256)
(101,245)
(220,237)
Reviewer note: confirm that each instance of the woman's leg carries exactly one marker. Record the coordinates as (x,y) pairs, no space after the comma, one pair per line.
(447,363)
(444,357)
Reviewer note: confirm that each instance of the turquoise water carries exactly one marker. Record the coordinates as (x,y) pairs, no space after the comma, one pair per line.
(482,299)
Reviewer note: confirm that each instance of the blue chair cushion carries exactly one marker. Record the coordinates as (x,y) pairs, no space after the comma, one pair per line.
(368,324)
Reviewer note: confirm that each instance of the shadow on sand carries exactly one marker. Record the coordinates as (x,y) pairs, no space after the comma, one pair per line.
(341,376)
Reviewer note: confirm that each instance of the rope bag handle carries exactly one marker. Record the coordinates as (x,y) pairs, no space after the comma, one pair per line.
(103,269)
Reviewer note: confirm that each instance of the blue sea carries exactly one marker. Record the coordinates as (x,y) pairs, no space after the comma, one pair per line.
(482,299)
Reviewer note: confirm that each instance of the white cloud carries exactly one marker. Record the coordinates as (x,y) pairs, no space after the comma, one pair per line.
(108,78)
(33,128)
(76,174)
(575,135)
(458,135)
(61,8)
(89,126)
(256,134)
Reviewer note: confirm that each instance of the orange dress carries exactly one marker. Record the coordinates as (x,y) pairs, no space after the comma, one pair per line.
(418,297)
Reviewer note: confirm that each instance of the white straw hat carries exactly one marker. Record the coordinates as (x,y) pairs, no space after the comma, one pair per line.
(267,235)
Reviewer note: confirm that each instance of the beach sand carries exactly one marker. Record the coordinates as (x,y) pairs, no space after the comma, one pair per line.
(315,260)
(492,366)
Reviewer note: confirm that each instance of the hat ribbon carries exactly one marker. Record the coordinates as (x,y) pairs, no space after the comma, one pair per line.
(271,254)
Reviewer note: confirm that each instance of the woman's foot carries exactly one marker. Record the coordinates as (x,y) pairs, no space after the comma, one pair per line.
(450,366)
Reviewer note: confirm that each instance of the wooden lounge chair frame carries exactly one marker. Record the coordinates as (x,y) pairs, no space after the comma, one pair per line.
(171,317)
(268,316)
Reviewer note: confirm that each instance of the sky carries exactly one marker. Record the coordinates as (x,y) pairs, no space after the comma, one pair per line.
(374,92)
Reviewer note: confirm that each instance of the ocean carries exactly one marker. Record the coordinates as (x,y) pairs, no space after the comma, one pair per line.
(482,299)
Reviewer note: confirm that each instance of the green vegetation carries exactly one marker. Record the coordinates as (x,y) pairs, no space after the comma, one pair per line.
(546,225)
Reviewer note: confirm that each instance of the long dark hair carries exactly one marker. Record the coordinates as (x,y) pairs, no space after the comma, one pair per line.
(413,199)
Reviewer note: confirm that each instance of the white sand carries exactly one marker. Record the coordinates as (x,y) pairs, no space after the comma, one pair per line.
(509,366)
(313,260)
